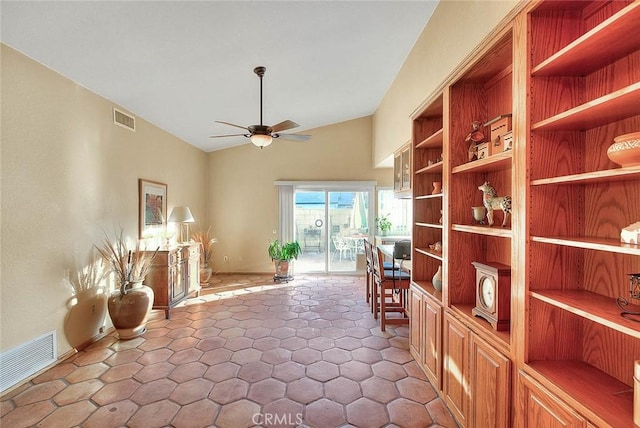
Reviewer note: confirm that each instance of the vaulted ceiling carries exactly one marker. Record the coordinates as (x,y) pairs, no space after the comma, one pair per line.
(181,65)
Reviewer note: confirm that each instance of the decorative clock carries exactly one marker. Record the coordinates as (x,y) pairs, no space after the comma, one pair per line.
(493,294)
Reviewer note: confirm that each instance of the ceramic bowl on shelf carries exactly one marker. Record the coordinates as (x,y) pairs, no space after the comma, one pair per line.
(625,151)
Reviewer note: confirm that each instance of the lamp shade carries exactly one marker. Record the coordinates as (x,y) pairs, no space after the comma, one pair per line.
(261,140)
(181,215)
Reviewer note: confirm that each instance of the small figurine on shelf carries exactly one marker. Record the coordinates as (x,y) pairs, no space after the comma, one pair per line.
(474,138)
(437,247)
(631,234)
(634,292)
(493,202)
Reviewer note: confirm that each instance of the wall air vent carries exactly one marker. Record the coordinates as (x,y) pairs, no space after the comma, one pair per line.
(124,120)
(27,359)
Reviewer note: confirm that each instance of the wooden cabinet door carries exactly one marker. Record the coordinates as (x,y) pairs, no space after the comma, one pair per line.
(490,384)
(193,269)
(431,328)
(455,384)
(416,324)
(405,163)
(397,172)
(178,282)
(539,408)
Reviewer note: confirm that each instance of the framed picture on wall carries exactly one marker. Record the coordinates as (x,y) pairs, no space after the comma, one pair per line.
(152,201)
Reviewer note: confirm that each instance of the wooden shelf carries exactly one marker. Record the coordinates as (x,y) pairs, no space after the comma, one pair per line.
(423,197)
(430,253)
(432,141)
(499,162)
(605,176)
(428,288)
(609,108)
(435,168)
(464,311)
(601,398)
(592,306)
(611,40)
(498,231)
(430,225)
(591,243)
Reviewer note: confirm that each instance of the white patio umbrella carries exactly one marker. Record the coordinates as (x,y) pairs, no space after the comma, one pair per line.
(358,213)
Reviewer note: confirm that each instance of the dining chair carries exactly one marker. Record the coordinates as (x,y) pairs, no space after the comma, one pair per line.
(389,292)
(368,253)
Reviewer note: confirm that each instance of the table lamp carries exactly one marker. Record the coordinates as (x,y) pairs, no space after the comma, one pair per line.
(183,216)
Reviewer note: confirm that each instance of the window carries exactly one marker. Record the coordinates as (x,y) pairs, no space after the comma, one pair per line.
(400,211)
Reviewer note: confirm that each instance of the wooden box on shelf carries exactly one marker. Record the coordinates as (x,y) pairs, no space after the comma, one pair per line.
(498,126)
(484,150)
(507,141)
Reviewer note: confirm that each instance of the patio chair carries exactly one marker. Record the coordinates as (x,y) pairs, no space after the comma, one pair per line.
(342,246)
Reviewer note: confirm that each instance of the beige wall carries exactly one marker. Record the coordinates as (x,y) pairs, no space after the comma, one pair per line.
(68,173)
(244,200)
(452,33)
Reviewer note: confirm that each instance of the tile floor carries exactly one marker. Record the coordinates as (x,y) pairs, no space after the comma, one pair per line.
(247,353)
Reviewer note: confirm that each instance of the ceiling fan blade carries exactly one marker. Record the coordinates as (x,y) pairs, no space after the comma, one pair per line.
(293,137)
(283,126)
(227,135)
(232,124)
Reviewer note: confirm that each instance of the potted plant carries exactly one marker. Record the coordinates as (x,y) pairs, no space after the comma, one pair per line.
(282,255)
(205,241)
(384,224)
(130,303)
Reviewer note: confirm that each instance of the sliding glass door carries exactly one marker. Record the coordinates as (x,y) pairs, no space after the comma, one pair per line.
(330,223)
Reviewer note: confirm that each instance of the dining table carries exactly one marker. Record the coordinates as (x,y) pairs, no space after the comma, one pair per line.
(387,250)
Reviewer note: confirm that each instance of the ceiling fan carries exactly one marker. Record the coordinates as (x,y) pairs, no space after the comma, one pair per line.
(262,135)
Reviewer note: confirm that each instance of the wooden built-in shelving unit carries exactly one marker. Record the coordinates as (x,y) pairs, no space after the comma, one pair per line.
(569,73)
(577,344)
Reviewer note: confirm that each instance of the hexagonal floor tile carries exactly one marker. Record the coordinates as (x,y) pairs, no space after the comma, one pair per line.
(253,372)
(266,391)
(408,414)
(356,370)
(366,413)
(288,371)
(388,370)
(380,390)
(229,390)
(306,356)
(342,390)
(323,413)
(304,390)
(322,371)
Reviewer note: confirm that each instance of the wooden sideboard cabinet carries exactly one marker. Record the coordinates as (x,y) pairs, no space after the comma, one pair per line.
(175,275)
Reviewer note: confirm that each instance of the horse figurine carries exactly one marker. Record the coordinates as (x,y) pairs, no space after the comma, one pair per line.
(493,202)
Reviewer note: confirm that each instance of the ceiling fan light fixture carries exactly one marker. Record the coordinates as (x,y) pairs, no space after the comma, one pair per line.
(261,140)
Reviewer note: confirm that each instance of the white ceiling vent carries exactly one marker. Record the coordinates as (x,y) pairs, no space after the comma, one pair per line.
(124,120)
(27,359)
